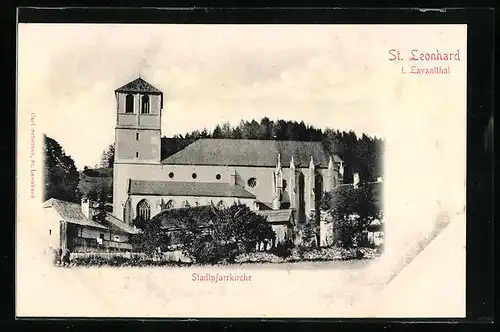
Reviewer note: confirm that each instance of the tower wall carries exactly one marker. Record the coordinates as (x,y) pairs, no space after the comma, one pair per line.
(137,138)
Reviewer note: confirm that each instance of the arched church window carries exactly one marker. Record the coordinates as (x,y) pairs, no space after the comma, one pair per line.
(129,104)
(252,182)
(169,205)
(318,186)
(144,210)
(301,187)
(221,205)
(145,104)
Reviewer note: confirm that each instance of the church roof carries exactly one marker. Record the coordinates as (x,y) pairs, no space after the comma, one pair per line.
(180,188)
(250,152)
(139,85)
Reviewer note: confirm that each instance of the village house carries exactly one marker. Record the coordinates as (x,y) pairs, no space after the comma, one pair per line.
(282,223)
(78,228)
(373,233)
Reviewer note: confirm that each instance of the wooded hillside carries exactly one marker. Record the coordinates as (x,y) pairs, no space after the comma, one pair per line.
(361,154)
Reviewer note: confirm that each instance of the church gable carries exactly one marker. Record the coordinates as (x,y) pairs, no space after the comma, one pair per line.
(138,86)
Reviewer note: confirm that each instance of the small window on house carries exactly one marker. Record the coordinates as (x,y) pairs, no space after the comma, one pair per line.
(129,104)
(171,175)
(252,182)
(217,176)
(136,136)
(145,104)
(101,236)
(284,184)
(194,175)
(116,238)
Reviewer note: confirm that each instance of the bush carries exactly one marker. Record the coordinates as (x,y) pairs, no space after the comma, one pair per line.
(117,261)
(65,256)
(283,249)
(258,257)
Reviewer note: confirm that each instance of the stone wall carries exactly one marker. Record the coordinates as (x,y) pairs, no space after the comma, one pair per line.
(326,229)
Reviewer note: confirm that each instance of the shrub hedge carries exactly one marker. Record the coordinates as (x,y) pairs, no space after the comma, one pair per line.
(281,254)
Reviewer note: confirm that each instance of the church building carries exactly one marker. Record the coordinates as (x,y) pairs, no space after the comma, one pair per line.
(263,174)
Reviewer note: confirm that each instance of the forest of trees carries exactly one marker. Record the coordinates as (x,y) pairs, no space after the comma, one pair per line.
(60,174)
(361,154)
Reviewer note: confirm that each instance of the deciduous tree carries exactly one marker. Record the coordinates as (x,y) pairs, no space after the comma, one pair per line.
(60,174)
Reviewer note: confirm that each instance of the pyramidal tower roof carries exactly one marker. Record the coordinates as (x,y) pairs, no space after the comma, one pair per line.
(138,85)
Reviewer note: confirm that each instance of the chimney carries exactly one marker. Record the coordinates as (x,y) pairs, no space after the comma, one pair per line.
(86,208)
(355,179)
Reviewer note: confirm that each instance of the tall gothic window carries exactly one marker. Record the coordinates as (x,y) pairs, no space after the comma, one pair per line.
(170,205)
(129,104)
(145,104)
(144,210)
(301,187)
(318,186)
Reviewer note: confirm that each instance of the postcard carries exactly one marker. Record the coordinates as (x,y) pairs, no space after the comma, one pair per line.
(269,171)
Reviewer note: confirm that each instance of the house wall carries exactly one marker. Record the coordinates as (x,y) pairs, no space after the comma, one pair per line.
(283,232)
(49,228)
(325,229)
(93,233)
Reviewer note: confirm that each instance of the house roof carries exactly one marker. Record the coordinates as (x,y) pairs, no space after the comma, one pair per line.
(250,152)
(276,216)
(120,225)
(138,85)
(71,213)
(180,188)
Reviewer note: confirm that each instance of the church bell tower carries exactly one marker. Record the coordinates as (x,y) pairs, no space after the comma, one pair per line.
(137,137)
(138,123)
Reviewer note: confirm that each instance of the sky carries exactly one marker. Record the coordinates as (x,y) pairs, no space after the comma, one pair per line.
(325,75)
